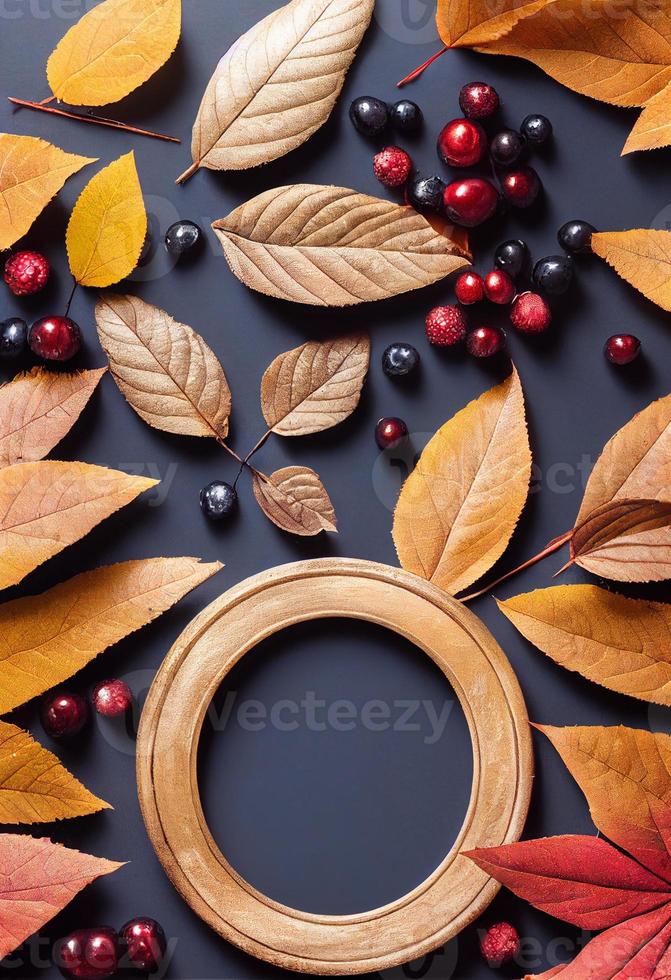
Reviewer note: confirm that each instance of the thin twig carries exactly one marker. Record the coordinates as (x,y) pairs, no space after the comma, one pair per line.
(549,549)
(91,118)
(422,68)
(230,451)
(258,445)
(189,172)
(72,296)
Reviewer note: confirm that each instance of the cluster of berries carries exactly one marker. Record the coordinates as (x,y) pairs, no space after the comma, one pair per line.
(99,952)
(64,713)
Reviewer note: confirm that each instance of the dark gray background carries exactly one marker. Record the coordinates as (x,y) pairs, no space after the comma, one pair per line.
(333,821)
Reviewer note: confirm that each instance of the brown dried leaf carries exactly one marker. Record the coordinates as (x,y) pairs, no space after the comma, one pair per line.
(164,369)
(626,540)
(295,500)
(329,246)
(652,129)
(642,257)
(38,409)
(465,23)
(315,386)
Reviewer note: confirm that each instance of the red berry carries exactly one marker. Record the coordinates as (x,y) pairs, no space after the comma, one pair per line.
(530,313)
(145,943)
(26,273)
(389,432)
(499,287)
(55,338)
(477,100)
(521,187)
(445,326)
(112,698)
(500,944)
(471,201)
(485,341)
(63,714)
(622,348)
(392,166)
(88,954)
(469,288)
(462,143)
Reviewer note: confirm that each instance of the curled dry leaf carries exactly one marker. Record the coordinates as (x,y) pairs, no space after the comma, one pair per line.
(34,786)
(277,84)
(642,257)
(38,880)
(625,540)
(652,129)
(108,225)
(163,368)
(315,386)
(33,171)
(113,49)
(459,507)
(295,500)
(465,23)
(38,409)
(329,246)
(46,506)
(47,638)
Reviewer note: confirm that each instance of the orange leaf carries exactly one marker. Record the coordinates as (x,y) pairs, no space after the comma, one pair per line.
(626,540)
(642,257)
(465,23)
(652,129)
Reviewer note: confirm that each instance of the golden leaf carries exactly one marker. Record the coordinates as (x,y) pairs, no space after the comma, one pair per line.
(108,225)
(329,246)
(34,786)
(113,49)
(622,644)
(47,638)
(315,386)
(277,84)
(295,500)
(652,129)
(625,540)
(642,257)
(459,507)
(163,368)
(33,171)
(38,409)
(465,23)
(46,506)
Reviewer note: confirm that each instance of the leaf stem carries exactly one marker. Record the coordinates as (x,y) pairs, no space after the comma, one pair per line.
(422,68)
(72,296)
(189,172)
(230,451)
(91,118)
(258,445)
(549,549)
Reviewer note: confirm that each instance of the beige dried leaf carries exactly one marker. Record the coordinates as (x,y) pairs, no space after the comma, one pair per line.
(164,369)
(625,540)
(329,246)
(642,257)
(295,500)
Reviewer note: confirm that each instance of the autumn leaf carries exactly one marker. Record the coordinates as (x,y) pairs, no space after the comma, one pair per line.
(465,23)
(329,246)
(163,368)
(49,505)
(652,129)
(295,500)
(315,386)
(33,171)
(38,880)
(38,409)
(642,257)
(113,49)
(278,84)
(626,540)
(459,507)
(34,786)
(108,225)
(47,638)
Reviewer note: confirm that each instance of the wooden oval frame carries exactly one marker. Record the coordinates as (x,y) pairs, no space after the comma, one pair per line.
(457,891)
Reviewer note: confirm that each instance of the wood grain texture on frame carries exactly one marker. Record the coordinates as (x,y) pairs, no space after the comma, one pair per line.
(457,892)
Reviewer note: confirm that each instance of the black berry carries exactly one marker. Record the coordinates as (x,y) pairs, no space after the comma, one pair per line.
(553,274)
(399,360)
(13,335)
(370,116)
(537,129)
(507,147)
(425,194)
(182,237)
(406,116)
(576,237)
(217,500)
(512,256)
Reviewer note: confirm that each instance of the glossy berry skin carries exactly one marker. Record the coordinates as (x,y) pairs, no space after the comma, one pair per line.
(218,500)
(485,341)
(112,698)
(144,943)
(499,287)
(512,257)
(478,100)
(575,237)
(63,714)
(445,326)
(470,202)
(521,187)
(462,143)
(536,129)
(13,337)
(55,338)
(530,313)
(500,944)
(392,166)
(506,148)
(26,273)
(369,115)
(406,116)
(553,274)
(399,360)
(469,288)
(182,237)
(425,194)
(390,432)
(622,348)
(88,954)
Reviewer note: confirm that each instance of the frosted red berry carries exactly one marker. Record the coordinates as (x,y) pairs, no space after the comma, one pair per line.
(392,166)
(112,698)
(445,326)
(63,714)
(470,202)
(500,944)
(521,187)
(55,338)
(469,288)
(26,273)
(530,313)
(478,100)
(499,287)
(462,143)
(485,341)
(88,954)
(622,348)
(144,943)
(389,432)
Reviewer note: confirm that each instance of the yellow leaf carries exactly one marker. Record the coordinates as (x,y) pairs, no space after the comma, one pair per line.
(113,49)
(32,172)
(46,506)
(108,225)
(653,127)
(34,786)
(642,257)
(464,23)
(459,507)
(47,638)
